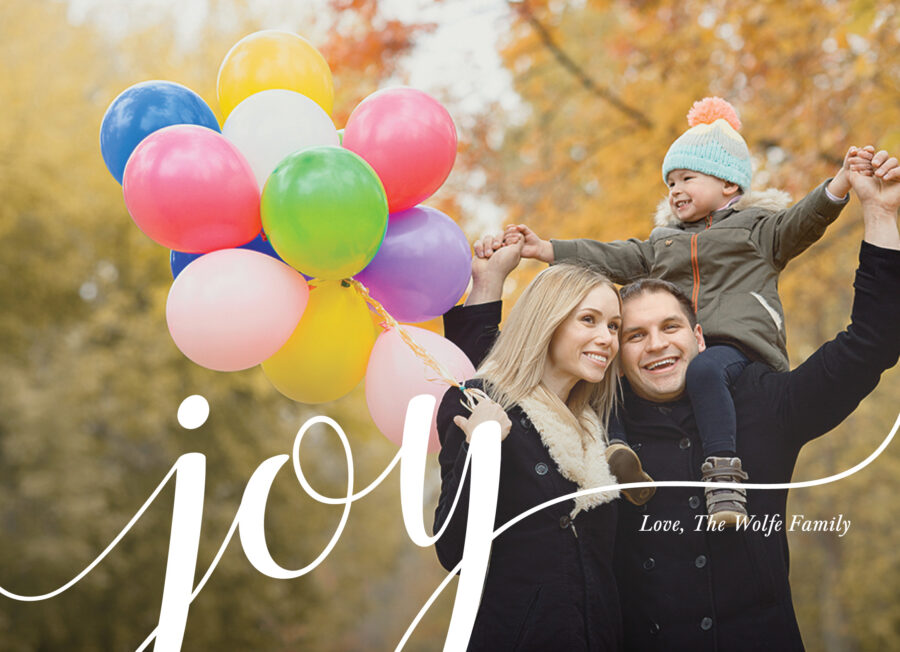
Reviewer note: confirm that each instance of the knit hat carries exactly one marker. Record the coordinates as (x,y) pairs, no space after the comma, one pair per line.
(712,145)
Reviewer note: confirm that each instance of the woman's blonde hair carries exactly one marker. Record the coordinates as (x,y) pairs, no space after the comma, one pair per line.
(515,365)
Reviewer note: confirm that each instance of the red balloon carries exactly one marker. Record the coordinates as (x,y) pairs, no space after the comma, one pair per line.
(191,190)
(409,138)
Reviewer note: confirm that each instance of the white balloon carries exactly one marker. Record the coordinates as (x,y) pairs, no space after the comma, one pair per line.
(269,125)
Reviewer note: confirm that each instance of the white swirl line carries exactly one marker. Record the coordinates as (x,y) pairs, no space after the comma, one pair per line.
(665,483)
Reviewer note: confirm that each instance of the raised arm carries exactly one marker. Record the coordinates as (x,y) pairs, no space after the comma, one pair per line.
(825,389)
(879,194)
(474,326)
(623,261)
(788,233)
(491,264)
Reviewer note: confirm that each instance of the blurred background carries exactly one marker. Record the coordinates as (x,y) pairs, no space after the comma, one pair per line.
(564,111)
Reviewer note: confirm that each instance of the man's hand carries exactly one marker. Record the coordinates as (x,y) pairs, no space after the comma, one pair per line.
(485,410)
(491,265)
(880,198)
(880,188)
(532,245)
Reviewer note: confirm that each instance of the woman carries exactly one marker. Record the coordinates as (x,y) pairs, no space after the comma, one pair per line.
(553,379)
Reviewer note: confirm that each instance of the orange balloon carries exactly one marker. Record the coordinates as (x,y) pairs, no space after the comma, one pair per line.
(273,59)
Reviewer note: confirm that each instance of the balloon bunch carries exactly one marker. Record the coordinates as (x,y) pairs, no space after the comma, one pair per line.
(285,239)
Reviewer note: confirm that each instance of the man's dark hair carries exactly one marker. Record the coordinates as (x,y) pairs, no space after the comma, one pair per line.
(646,285)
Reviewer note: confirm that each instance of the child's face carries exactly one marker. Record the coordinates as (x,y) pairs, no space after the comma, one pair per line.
(694,195)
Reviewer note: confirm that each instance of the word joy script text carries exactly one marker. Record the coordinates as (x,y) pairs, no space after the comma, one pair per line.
(189,472)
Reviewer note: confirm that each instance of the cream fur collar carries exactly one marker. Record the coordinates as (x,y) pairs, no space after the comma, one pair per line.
(771,199)
(582,462)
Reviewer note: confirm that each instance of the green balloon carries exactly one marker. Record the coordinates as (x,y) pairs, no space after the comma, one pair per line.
(325,212)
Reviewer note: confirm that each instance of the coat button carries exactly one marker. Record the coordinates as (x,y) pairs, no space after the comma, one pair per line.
(565,521)
(706,624)
(636,447)
(654,628)
(700,561)
(649,564)
(684,443)
(541,469)
(525,422)
(694,502)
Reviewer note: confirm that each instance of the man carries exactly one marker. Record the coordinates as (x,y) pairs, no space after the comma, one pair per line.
(683,587)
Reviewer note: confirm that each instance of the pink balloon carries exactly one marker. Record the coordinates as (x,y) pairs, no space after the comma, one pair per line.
(191,190)
(231,309)
(395,375)
(409,138)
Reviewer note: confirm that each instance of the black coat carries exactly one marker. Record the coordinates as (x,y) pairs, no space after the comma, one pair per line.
(550,583)
(729,590)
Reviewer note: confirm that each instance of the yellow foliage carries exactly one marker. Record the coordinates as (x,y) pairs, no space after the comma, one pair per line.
(90,381)
(809,79)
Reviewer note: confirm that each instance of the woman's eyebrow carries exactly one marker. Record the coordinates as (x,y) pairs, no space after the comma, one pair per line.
(598,311)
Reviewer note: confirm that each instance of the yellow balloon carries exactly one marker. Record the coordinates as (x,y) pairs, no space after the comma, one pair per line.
(327,354)
(273,59)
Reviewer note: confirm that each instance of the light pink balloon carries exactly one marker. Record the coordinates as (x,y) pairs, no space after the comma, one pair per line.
(409,138)
(231,309)
(191,190)
(395,375)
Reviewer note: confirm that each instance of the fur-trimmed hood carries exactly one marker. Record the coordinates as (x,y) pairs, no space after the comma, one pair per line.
(581,461)
(770,199)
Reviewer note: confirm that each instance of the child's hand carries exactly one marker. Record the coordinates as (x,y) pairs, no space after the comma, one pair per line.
(860,160)
(533,246)
(856,160)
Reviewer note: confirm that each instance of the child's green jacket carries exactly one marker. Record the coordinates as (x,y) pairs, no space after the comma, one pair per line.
(727,264)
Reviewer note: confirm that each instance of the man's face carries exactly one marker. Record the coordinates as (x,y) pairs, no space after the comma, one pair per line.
(658,343)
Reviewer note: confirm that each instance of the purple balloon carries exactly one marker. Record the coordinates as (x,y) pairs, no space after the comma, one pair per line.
(422,267)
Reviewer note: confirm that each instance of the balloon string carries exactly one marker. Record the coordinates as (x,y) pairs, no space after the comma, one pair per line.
(472,394)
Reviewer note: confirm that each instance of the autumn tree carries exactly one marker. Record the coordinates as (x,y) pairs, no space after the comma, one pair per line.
(90,381)
(605,88)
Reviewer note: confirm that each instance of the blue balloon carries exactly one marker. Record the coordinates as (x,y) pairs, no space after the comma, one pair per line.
(178,260)
(142,109)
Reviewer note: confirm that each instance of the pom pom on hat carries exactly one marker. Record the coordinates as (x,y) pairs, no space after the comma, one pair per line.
(710,109)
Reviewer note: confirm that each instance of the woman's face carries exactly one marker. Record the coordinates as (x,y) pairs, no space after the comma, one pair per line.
(584,345)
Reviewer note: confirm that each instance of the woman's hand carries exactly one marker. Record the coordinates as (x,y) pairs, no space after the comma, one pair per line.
(485,410)
(490,267)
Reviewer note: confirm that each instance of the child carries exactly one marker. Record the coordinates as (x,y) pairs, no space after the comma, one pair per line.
(724,246)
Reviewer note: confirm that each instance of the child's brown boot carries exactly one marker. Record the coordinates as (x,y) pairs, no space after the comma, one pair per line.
(626,466)
(727,504)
